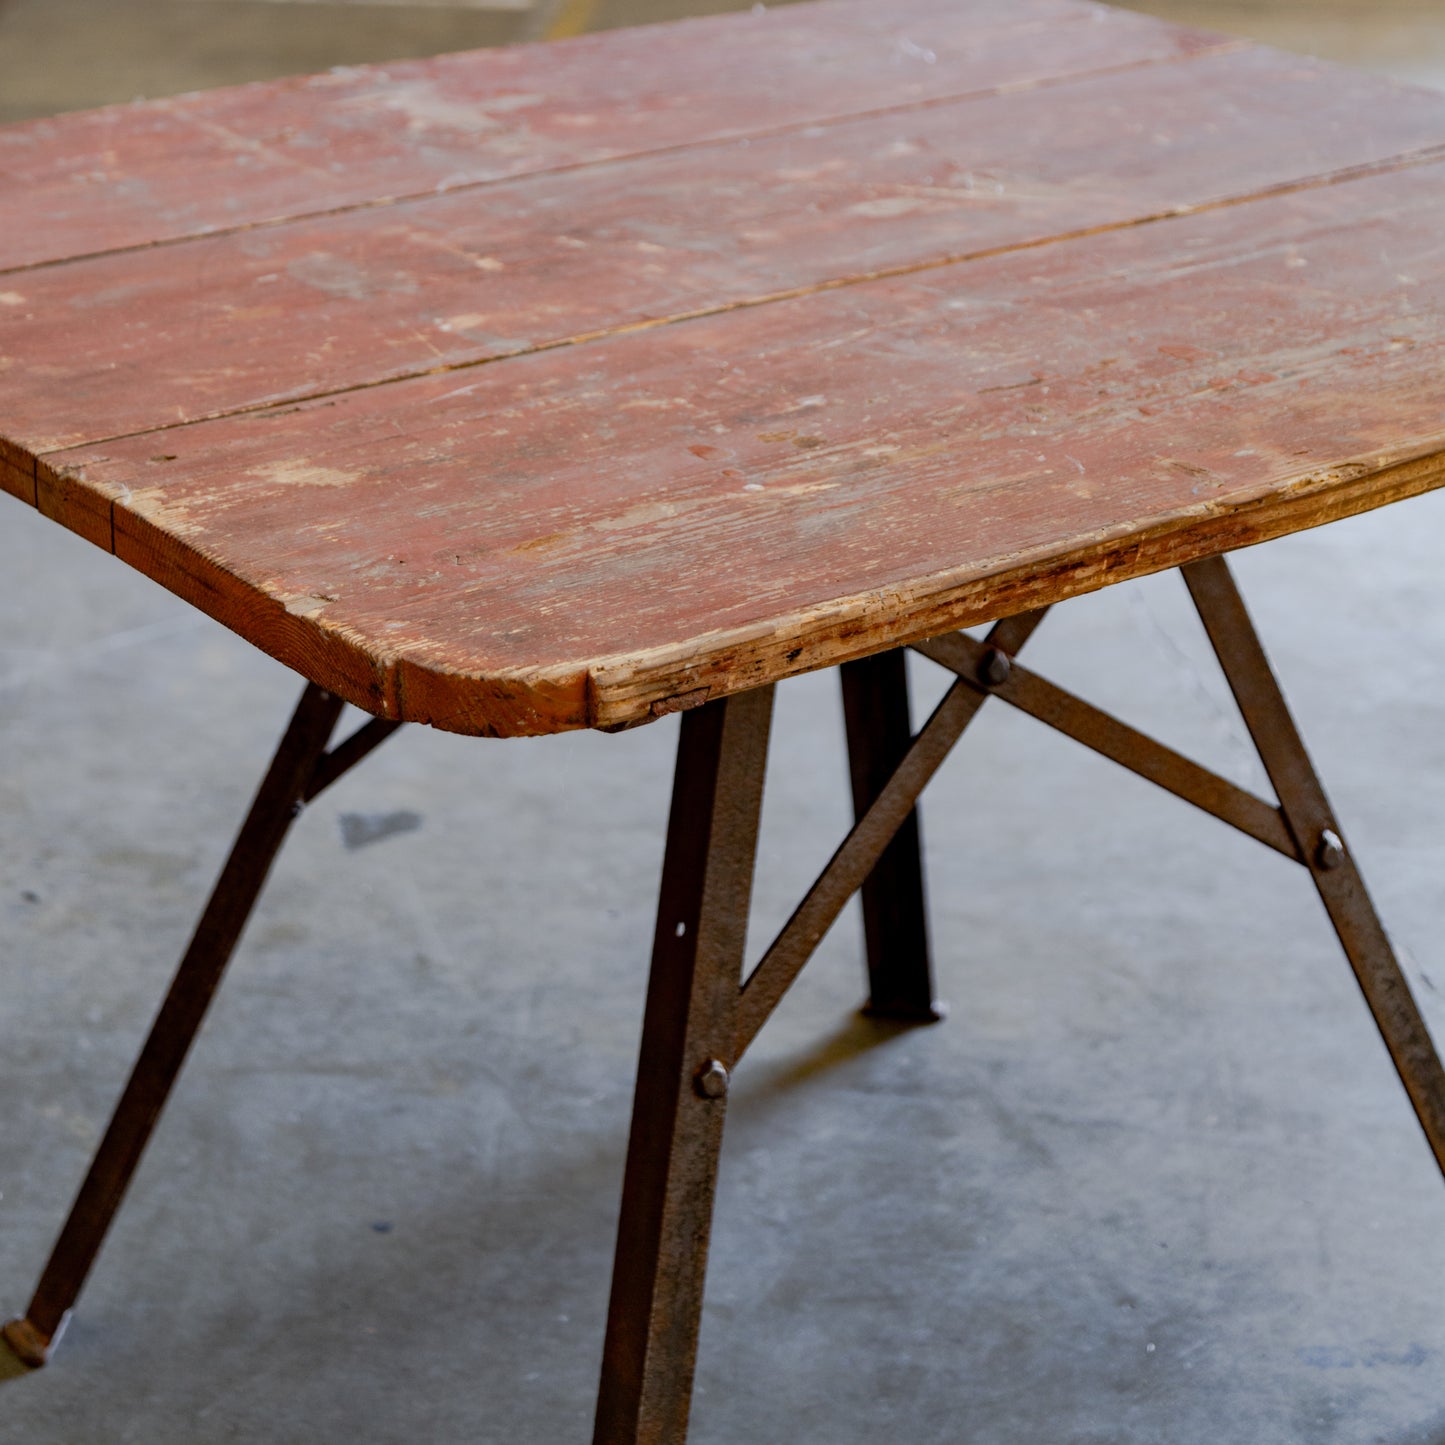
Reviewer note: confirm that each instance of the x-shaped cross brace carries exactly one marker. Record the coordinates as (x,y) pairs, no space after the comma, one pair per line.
(701,1013)
(700,1020)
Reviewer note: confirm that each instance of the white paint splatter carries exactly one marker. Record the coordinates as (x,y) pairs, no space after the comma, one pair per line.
(300,473)
(474,322)
(424,109)
(886,206)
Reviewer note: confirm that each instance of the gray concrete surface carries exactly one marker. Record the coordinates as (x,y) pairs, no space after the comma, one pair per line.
(60,55)
(1405,38)
(1153,1181)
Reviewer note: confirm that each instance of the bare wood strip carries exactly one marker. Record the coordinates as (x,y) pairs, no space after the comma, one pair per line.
(1118,742)
(141,174)
(17,472)
(318,308)
(860,624)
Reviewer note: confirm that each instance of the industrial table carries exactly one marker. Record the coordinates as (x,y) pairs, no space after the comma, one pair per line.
(574,386)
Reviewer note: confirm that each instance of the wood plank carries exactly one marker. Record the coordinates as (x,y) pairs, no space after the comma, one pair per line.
(225,323)
(595,535)
(139,174)
(17,471)
(17,477)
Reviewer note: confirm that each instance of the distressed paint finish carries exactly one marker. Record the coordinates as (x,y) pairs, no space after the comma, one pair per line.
(590,534)
(138,174)
(596,533)
(324,305)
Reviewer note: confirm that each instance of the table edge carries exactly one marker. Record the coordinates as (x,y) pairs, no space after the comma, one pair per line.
(625,690)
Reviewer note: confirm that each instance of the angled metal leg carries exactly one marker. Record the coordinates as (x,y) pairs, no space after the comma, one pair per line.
(895,918)
(195,983)
(1321,846)
(688,1034)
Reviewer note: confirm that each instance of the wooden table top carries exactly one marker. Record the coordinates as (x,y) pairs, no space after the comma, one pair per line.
(569,385)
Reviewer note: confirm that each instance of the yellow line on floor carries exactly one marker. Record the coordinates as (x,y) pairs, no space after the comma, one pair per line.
(573,17)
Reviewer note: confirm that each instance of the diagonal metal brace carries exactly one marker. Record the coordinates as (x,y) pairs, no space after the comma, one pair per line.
(861,849)
(1113,739)
(344,756)
(1322,848)
(301,770)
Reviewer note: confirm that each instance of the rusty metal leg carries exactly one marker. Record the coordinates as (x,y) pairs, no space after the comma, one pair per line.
(895,919)
(688,1035)
(215,938)
(1307,812)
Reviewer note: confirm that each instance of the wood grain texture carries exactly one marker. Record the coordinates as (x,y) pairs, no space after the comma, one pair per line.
(141,174)
(17,471)
(601,533)
(147,339)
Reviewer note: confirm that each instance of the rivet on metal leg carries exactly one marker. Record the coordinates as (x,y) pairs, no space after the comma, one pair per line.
(712,1079)
(1330,852)
(995,668)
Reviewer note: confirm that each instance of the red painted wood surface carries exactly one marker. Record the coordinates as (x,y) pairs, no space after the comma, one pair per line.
(137,174)
(597,532)
(263,316)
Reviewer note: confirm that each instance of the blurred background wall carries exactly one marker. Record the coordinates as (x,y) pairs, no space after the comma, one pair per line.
(60,55)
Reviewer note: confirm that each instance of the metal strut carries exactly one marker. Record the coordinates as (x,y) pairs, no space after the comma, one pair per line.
(694,1007)
(300,771)
(868,841)
(701,1015)
(1320,844)
(688,1034)
(895,912)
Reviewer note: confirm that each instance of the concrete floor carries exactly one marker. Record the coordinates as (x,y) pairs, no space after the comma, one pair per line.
(1153,1181)
(58,55)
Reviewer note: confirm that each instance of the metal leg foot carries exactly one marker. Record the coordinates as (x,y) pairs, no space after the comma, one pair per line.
(180,1017)
(688,1036)
(27,1344)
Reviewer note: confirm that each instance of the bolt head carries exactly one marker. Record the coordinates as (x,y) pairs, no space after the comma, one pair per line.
(995,668)
(712,1079)
(1330,852)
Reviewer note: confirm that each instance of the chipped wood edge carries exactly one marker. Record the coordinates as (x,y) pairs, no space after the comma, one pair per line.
(17,472)
(626,690)
(334,657)
(632,689)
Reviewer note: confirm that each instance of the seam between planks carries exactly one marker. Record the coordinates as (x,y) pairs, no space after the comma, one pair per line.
(1225,47)
(1430,155)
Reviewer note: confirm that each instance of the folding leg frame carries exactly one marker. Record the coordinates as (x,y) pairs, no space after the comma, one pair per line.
(702,1012)
(652,1329)
(301,770)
